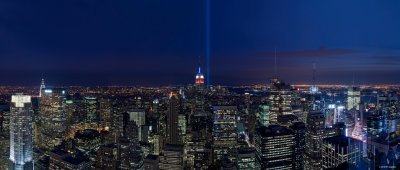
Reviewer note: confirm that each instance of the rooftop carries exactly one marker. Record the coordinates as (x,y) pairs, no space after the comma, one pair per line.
(273,130)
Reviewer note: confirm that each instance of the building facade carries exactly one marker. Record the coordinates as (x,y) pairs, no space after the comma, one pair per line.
(341,149)
(274,147)
(21,133)
(224,132)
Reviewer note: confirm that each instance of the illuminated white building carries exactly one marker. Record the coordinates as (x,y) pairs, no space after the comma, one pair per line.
(138,115)
(42,87)
(353,98)
(21,132)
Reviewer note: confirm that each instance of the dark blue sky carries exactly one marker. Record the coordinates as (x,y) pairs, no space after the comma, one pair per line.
(157,42)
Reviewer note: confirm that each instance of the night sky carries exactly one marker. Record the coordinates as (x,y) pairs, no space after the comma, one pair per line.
(158,42)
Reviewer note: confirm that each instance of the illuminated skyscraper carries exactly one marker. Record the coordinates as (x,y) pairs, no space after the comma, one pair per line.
(129,154)
(182,127)
(313,138)
(199,95)
(21,133)
(388,103)
(353,98)
(224,132)
(105,112)
(138,116)
(91,105)
(52,117)
(199,77)
(264,115)
(42,87)
(281,100)
(274,147)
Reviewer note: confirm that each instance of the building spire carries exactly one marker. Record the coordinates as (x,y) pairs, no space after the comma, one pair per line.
(199,69)
(42,86)
(199,76)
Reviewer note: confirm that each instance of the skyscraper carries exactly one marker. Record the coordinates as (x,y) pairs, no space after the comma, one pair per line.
(52,117)
(299,129)
(274,147)
(341,149)
(264,115)
(314,134)
(172,121)
(21,133)
(199,93)
(138,116)
(42,87)
(129,154)
(353,98)
(182,127)
(91,113)
(281,100)
(199,78)
(224,132)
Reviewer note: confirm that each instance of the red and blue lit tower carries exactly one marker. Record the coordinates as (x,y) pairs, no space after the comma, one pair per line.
(199,78)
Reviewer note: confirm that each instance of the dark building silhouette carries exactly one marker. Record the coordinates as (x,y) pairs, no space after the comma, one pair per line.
(299,129)
(172,121)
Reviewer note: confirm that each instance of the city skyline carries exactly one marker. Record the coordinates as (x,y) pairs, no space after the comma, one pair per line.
(199,85)
(158,43)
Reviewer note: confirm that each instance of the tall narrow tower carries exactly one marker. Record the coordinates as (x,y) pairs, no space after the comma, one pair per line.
(42,87)
(199,81)
(172,120)
(21,133)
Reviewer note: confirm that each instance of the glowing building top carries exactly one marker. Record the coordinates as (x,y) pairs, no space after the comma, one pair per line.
(199,78)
